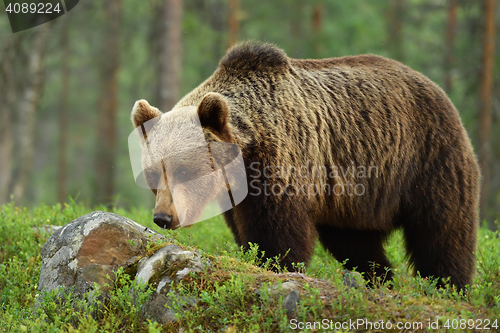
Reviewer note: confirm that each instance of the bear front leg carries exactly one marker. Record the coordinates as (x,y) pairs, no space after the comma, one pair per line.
(281,230)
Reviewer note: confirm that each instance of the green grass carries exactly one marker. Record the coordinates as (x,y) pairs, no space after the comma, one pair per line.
(233,295)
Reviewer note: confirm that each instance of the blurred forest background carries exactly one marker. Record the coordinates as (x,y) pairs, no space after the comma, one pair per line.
(67,87)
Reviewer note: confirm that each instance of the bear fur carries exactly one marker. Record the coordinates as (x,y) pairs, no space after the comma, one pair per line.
(410,163)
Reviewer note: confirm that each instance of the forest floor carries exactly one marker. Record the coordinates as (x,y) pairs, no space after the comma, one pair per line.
(234,295)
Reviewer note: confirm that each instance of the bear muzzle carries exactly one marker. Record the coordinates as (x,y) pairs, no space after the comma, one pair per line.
(163,220)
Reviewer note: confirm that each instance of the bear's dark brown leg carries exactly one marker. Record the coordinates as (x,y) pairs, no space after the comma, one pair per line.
(278,228)
(440,226)
(440,252)
(363,249)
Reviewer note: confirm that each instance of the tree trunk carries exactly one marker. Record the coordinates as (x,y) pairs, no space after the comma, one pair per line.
(108,103)
(234,22)
(485,104)
(218,15)
(6,99)
(5,149)
(449,59)
(170,54)
(317,25)
(26,112)
(63,117)
(395,22)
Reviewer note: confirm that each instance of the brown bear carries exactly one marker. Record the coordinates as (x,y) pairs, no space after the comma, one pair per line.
(343,149)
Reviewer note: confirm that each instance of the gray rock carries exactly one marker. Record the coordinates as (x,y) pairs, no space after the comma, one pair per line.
(155,310)
(290,302)
(160,270)
(158,307)
(167,266)
(284,287)
(164,285)
(290,285)
(89,249)
(353,279)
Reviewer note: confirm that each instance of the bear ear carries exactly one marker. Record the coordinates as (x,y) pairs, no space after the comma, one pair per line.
(143,112)
(213,112)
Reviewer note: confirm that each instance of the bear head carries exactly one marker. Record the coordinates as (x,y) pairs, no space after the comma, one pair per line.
(188,159)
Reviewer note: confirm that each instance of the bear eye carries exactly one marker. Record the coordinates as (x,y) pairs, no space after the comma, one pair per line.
(181,174)
(153,178)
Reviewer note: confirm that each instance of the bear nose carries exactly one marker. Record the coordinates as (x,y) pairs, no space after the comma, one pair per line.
(163,220)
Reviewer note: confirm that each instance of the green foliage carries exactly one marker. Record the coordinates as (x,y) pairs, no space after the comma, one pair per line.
(487,286)
(21,229)
(224,303)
